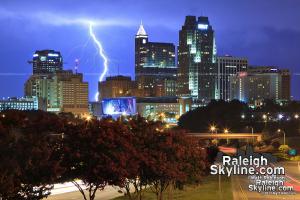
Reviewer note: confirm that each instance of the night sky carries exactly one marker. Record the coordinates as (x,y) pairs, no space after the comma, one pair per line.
(265,31)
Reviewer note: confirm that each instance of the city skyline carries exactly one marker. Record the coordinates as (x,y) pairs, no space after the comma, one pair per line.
(262,41)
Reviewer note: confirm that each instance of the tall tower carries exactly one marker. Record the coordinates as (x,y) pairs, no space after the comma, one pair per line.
(197,51)
(155,68)
(141,39)
(229,66)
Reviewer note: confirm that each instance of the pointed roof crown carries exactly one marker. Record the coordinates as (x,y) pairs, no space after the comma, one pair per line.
(141,31)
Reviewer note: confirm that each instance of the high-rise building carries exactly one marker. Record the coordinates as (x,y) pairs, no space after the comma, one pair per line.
(63,90)
(37,85)
(197,76)
(46,61)
(155,68)
(116,86)
(228,66)
(260,83)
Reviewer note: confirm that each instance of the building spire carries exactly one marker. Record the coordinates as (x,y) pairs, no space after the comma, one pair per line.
(141,31)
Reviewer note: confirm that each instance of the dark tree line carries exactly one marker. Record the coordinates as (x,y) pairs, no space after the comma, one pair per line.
(39,149)
(239,117)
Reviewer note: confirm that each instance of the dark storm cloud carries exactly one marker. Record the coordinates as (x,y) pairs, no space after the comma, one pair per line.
(266,31)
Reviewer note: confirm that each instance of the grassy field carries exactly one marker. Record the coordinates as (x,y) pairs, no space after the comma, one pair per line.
(208,190)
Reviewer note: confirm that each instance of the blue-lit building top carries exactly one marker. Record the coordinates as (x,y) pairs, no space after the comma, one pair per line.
(47,61)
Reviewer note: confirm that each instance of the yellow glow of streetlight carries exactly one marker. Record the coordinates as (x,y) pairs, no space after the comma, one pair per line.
(88,118)
(264,116)
(213,128)
(296,116)
(226,130)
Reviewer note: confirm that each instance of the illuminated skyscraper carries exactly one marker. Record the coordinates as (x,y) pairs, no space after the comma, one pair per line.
(155,68)
(46,61)
(63,90)
(228,66)
(197,66)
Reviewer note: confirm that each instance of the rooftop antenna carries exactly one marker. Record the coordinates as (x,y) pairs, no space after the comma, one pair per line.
(76,65)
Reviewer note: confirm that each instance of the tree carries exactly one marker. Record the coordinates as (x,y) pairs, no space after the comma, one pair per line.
(8,165)
(97,153)
(143,132)
(177,160)
(164,158)
(33,159)
(223,114)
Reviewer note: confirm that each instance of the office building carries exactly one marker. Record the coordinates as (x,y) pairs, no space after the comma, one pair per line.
(155,68)
(63,90)
(228,66)
(197,76)
(260,83)
(46,61)
(25,103)
(116,86)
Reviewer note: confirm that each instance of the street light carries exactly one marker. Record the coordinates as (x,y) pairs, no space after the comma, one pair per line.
(282,131)
(213,129)
(296,116)
(243,116)
(88,118)
(280,116)
(252,131)
(226,130)
(264,116)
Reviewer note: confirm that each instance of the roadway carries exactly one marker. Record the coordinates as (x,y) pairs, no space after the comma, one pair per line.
(240,185)
(257,136)
(69,192)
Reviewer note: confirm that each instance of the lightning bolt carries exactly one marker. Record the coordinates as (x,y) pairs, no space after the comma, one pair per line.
(101,53)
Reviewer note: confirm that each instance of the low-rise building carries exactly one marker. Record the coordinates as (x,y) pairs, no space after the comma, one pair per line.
(163,108)
(24,103)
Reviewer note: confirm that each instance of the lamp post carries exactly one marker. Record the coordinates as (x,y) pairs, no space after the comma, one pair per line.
(282,131)
(226,131)
(252,131)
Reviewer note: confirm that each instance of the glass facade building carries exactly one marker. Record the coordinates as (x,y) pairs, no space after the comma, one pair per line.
(228,66)
(197,56)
